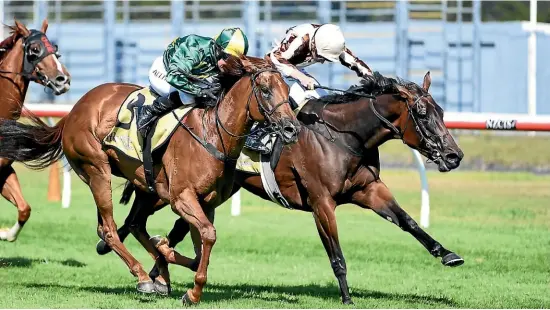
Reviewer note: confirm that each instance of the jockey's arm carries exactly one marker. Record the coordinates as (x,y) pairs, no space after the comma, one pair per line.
(179,67)
(285,67)
(350,61)
(290,46)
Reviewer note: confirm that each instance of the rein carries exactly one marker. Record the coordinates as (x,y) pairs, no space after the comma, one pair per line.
(266,113)
(397,133)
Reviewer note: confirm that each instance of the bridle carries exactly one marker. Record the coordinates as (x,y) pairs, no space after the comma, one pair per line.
(268,114)
(265,112)
(418,106)
(425,136)
(31,59)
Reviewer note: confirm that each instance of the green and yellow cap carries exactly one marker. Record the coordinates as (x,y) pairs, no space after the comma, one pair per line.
(233,41)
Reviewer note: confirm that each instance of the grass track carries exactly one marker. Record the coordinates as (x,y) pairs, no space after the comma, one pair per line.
(273,258)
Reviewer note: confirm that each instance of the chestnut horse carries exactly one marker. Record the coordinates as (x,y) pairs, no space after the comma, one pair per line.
(336,161)
(26,55)
(194,171)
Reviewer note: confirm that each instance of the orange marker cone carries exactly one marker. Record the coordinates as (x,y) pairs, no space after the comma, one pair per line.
(54,184)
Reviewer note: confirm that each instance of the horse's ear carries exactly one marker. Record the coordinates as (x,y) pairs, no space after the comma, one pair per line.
(21,29)
(427,81)
(44,26)
(404,92)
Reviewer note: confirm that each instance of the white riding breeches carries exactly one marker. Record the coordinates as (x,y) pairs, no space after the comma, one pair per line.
(157,81)
(299,94)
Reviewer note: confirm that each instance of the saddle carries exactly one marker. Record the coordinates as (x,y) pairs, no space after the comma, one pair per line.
(124,136)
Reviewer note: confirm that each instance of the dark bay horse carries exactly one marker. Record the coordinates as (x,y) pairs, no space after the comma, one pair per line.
(192,178)
(26,55)
(336,161)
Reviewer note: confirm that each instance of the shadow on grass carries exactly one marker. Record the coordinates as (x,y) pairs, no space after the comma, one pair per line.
(23,262)
(217,292)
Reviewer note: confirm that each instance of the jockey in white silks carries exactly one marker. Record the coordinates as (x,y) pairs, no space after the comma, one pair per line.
(302,46)
(307,44)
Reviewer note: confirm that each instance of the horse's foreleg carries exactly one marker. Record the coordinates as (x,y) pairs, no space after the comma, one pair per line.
(166,247)
(11,190)
(325,220)
(378,197)
(187,206)
(98,178)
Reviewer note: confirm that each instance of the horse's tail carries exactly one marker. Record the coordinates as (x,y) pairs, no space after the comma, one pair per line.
(129,188)
(36,145)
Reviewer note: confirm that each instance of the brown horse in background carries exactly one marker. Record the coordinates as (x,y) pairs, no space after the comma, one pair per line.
(194,171)
(336,161)
(26,55)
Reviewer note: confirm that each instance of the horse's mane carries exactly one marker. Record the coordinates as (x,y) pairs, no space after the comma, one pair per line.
(377,84)
(9,42)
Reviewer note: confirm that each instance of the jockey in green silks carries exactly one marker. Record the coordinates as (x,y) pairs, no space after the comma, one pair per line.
(185,62)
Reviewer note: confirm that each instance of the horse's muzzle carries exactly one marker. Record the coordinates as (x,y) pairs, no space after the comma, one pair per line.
(290,131)
(450,160)
(61,84)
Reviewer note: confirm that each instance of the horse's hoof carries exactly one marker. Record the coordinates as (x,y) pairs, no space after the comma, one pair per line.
(146,287)
(7,235)
(161,288)
(102,248)
(452,260)
(347,301)
(186,300)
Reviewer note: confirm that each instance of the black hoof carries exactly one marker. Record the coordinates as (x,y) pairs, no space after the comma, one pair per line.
(146,287)
(187,301)
(452,260)
(347,301)
(102,248)
(162,289)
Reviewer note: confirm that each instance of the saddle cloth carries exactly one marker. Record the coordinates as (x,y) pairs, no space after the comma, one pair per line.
(124,136)
(249,161)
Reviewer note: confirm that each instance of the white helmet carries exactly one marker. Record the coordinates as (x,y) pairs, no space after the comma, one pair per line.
(329,42)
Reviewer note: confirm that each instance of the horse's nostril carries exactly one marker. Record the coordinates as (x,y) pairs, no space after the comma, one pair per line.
(61,79)
(452,157)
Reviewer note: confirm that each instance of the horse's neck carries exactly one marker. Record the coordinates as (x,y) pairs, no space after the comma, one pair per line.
(354,123)
(234,116)
(13,87)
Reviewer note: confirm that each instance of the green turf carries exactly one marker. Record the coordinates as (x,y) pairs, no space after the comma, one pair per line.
(272,258)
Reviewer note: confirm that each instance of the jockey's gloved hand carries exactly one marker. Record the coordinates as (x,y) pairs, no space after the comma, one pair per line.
(209,92)
(308,82)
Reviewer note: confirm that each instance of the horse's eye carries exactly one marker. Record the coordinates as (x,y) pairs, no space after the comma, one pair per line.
(264,90)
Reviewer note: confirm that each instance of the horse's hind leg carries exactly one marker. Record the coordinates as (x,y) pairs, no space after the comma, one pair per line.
(142,208)
(11,190)
(325,220)
(98,178)
(378,197)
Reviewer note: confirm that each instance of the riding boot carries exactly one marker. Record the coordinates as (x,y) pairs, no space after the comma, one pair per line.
(149,113)
(254,142)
